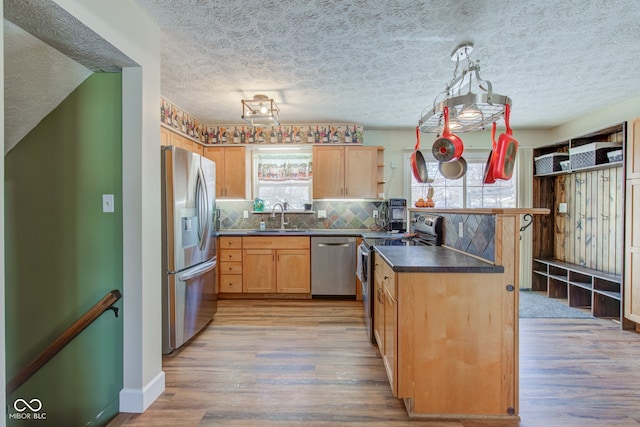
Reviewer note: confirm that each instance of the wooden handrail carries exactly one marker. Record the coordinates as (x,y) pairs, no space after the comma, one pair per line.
(65,338)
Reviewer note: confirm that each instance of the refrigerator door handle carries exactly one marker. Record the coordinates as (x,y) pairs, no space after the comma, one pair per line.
(198,270)
(202,198)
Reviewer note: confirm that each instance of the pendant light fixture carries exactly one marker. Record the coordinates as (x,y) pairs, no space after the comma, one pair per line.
(471,101)
(260,111)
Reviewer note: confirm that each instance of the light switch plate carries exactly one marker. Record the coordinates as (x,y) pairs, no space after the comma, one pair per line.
(562,208)
(245,214)
(107,203)
(322,213)
(460,229)
(375,213)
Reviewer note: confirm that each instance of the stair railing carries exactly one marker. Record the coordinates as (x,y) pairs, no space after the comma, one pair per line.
(106,303)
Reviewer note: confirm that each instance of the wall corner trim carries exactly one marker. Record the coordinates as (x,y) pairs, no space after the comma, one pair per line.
(138,400)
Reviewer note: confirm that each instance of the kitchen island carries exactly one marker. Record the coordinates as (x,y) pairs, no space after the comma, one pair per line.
(446,322)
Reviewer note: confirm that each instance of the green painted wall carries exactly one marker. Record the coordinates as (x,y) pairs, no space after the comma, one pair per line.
(63,254)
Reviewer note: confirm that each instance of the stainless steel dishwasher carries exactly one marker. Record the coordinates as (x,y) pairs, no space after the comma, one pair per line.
(333,266)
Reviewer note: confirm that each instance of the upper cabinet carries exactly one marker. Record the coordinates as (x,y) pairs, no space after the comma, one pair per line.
(168,137)
(231,178)
(347,172)
(165,136)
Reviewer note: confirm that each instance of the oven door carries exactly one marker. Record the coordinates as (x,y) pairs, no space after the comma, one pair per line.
(362,269)
(364,274)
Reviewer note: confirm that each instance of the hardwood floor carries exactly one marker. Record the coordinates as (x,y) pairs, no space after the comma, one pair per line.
(291,363)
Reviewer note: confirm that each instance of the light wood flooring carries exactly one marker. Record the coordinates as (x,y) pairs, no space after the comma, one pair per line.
(293,363)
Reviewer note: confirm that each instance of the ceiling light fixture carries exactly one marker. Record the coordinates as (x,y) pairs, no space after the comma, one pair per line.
(260,111)
(471,110)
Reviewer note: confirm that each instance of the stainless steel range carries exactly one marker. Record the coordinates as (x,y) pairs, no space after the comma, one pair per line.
(426,230)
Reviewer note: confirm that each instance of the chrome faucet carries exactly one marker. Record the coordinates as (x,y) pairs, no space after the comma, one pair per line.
(273,215)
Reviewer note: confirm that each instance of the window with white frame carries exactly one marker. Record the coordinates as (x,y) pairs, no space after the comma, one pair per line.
(466,192)
(282,175)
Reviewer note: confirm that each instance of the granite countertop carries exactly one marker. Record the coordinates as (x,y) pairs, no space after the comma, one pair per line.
(433,259)
(359,232)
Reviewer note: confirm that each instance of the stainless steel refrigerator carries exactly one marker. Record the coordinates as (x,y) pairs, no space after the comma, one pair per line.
(189,284)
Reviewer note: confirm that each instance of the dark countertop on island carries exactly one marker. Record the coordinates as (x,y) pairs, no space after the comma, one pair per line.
(433,259)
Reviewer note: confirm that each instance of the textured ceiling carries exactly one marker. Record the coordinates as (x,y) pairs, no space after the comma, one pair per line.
(381,63)
(47,54)
(37,78)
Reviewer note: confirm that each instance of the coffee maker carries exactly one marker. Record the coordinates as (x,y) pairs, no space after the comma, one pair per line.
(397,214)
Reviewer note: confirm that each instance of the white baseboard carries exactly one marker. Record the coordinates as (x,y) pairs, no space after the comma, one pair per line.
(138,400)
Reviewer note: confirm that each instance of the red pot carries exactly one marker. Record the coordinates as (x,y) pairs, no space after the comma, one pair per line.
(449,146)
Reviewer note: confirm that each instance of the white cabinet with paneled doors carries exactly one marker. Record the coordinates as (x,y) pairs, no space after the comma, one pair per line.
(632,226)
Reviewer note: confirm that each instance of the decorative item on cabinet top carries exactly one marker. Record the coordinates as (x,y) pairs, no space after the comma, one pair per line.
(179,121)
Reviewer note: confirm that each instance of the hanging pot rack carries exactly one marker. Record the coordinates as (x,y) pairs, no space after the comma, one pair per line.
(469,111)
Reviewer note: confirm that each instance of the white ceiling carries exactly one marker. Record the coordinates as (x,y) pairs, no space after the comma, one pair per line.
(380,63)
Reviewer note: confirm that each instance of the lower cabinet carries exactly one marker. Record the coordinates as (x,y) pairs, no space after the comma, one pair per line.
(276,265)
(448,342)
(258,270)
(378,310)
(293,271)
(230,266)
(386,320)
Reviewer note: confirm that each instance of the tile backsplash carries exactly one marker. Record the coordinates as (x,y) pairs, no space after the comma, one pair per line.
(478,237)
(340,215)
(478,234)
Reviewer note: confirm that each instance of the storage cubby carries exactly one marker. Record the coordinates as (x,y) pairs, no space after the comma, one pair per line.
(582,287)
(578,248)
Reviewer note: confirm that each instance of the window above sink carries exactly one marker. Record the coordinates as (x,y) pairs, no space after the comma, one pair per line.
(282,174)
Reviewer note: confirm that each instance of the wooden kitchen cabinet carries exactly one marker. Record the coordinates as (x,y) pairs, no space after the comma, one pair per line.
(385,321)
(293,271)
(231,180)
(259,271)
(168,137)
(448,342)
(378,309)
(346,172)
(276,265)
(389,324)
(230,262)
(165,136)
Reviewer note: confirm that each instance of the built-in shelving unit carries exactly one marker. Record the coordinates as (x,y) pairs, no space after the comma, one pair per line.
(582,287)
(590,168)
(578,248)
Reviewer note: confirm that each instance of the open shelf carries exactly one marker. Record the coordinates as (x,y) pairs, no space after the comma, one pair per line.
(598,291)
